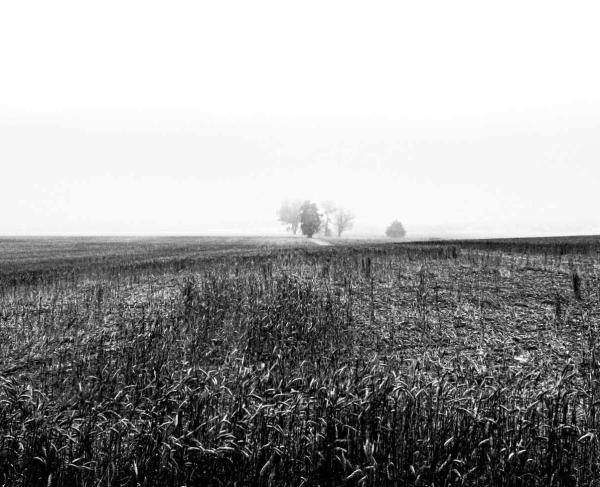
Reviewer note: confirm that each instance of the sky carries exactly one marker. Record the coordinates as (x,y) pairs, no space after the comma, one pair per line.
(151,118)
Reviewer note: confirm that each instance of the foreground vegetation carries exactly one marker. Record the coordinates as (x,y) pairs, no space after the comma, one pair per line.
(259,362)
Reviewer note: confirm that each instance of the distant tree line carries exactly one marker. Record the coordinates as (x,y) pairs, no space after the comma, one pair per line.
(310,218)
(327,218)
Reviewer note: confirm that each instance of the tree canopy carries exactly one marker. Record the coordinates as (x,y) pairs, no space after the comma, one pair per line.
(396,230)
(310,220)
(343,220)
(289,214)
(328,207)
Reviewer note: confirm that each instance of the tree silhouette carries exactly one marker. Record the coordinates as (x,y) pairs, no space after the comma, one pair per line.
(310,220)
(289,214)
(329,210)
(395,230)
(343,220)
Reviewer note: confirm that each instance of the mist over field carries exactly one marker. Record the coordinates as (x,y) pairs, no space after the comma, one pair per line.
(430,114)
(479,181)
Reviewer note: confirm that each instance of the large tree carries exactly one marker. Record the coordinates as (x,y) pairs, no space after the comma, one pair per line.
(310,220)
(289,214)
(395,230)
(329,209)
(343,220)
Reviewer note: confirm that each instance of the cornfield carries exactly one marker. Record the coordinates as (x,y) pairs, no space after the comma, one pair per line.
(264,362)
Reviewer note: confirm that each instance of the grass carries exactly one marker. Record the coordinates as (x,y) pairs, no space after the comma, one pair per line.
(277,362)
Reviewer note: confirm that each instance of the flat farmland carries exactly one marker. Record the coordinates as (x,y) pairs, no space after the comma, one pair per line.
(275,361)
(36,255)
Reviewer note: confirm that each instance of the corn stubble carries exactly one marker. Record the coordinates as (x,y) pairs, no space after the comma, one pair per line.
(348,365)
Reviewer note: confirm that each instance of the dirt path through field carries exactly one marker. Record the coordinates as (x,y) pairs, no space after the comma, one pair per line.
(320,242)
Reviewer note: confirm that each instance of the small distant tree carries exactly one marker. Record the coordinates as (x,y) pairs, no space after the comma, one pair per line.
(329,210)
(310,220)
(289,215)
(396,230)
(343,220)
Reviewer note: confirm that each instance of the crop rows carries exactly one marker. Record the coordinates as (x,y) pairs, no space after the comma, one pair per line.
(346,365)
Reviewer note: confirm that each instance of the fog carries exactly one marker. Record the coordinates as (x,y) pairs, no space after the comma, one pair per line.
(147,118)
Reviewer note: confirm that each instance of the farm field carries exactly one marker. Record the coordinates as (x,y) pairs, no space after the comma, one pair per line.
(274,361)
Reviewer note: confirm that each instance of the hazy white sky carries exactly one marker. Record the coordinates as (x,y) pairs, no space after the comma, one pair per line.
(141,117)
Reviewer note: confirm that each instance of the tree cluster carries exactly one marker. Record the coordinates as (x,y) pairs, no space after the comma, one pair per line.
(310,218)
(327,218)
